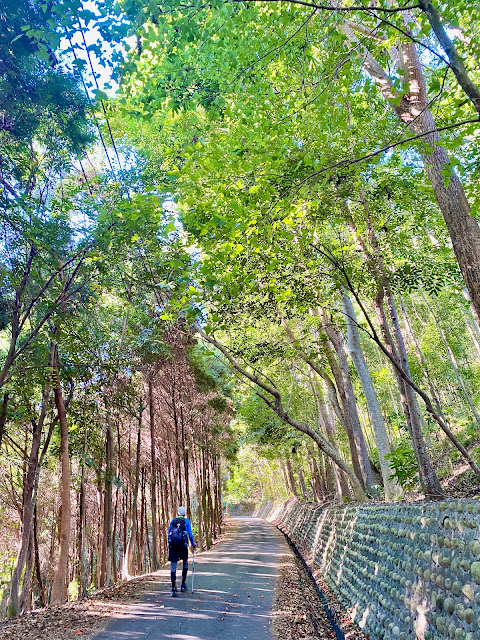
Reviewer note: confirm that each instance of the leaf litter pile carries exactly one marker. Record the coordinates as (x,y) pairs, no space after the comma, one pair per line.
(298,613)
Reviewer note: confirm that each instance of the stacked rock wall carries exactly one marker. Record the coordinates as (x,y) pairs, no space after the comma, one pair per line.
(404,570)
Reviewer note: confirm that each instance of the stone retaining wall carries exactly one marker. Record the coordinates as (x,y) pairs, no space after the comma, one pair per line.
(404,570)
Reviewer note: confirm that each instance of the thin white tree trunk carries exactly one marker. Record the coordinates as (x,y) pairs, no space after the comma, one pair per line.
(392,488)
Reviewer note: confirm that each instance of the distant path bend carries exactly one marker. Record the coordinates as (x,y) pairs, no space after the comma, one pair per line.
(234,584)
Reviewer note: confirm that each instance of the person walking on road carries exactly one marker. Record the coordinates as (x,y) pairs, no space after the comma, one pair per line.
(179,531)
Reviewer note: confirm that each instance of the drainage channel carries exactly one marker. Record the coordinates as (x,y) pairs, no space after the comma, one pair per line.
(330,614)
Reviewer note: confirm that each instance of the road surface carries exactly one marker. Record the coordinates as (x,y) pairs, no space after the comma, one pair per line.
(234,584)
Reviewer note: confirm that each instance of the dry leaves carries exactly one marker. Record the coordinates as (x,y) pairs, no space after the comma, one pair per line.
(297,610)
(84,618)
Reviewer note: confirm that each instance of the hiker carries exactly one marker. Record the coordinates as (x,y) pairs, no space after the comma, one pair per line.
(179,531)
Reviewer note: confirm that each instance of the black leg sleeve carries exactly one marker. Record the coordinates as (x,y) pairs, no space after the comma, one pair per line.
(173,575)
(184,575)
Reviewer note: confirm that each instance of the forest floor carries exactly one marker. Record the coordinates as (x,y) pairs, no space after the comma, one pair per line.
(462,483)
(250,584)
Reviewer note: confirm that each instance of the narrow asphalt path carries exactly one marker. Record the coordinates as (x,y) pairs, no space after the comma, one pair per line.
(234,585)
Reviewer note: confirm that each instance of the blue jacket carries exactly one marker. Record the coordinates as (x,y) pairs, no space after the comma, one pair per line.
(188,527)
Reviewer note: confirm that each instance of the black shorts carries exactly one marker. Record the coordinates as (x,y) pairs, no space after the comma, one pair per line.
(177,553)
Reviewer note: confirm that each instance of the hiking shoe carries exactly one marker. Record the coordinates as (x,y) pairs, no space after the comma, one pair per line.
(183,588)
(174,592)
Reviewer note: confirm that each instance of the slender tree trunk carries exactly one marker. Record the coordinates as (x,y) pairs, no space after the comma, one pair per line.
(291,477)
(141,567)
(185,449)
(82,546)
(106,576)
(335,479)
(398,356)
(428,478)
(153,479)
(25,597)
(60,578)
(115,538)
(38,569)
(392,489)
(359,464)
(301,480)
(317,481)
(128,568)
(29,496)
(3,415)
(470,324)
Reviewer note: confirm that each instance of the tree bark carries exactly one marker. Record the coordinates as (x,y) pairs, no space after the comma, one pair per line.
(3,415)
(412,108)
(456,63)
(291,477)
(60,578)
(350,405)
(128,567)
(392,489)
(29,497)
(82,546)
(153,479)
(395,348)
(38,570)
(106,575)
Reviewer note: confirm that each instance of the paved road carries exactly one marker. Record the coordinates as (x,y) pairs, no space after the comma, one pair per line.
(233,593)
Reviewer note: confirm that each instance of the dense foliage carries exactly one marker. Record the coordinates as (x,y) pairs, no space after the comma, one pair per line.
(254,270)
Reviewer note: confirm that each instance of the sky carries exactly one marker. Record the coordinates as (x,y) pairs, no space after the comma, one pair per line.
(101,76)
(102,72)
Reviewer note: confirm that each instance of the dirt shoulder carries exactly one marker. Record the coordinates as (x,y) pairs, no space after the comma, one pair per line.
(298,612)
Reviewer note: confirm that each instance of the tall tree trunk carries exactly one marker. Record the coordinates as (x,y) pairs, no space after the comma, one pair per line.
(82,515)
(428,478)
(60,578)
(392,489)
(29,497)
(153,478)
(432,485)
(359,464)
(185,449)
(301,479)
(318,487)
(106,575)
(128,567)
(291,477)
(25,596)
(38,569)
(412,108)
(398,354)
(334,477)
(3,415)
